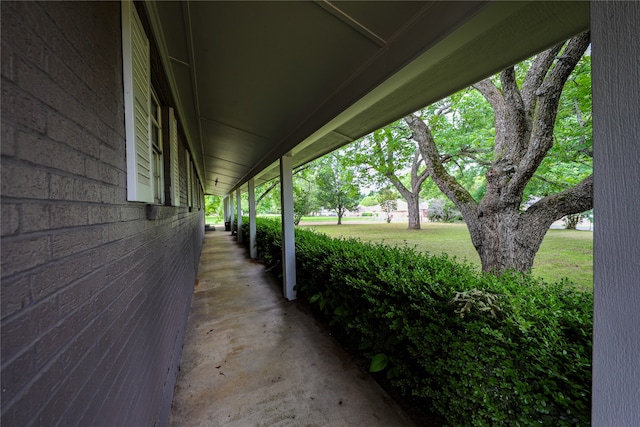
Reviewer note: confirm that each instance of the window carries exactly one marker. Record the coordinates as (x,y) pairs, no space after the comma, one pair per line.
(157,161)
(172,167)
(189,179)
(148,125)
(153,172)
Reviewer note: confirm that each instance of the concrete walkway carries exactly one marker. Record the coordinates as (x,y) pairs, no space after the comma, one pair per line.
(251,358)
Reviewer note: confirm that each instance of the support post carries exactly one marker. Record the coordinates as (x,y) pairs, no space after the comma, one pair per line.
(253,250)
(288,229)
(615,35)
(225,207)
(230,208)
(239,213)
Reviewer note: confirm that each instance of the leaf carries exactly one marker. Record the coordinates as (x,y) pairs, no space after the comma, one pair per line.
(379,362)
(341,311)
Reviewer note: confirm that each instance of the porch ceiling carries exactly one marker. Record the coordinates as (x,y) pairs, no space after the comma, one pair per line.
(256,80)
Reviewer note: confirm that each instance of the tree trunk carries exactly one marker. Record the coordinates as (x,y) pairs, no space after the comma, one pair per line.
(509,239)
(504,241)
(412,196)
(413,207)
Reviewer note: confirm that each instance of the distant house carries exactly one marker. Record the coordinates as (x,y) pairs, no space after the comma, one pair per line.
(401,212)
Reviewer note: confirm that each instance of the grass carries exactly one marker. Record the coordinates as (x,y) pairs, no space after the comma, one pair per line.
(212,220)
(563,253)
(344,219)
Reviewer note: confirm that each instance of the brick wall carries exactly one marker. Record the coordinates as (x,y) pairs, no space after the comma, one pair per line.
(94,297)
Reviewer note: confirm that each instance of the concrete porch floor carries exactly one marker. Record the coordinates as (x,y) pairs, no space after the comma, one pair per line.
(251,358)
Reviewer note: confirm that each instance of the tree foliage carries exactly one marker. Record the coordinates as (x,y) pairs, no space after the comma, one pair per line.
(304,199)
(336,185)
(388,155)
(388,201)
(268,197)
(212,205)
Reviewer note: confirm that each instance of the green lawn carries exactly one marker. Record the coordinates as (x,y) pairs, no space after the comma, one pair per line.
(212,220)
(564,253)
(344,219)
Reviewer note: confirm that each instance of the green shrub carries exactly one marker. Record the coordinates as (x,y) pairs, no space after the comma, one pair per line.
(484,350)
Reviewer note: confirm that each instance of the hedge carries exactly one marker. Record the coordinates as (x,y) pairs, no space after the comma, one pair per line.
(484,350)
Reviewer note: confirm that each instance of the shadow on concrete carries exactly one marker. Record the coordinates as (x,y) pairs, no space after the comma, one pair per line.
(251,358)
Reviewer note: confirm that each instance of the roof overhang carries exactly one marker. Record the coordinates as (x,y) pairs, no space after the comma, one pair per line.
(254,81)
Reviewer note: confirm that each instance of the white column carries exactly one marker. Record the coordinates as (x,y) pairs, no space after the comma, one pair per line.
(231,208)
(239,213)
(615,34)
(253,250)
(288,229)
(225,207)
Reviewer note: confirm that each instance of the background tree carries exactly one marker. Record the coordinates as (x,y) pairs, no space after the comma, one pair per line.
(442,210)
(268,197)
(390,154)
(571,221)
(268,194)
(301,204)
(212,205)
(336,185)
(388,201)
(525,101)
(304,200)
(370,200)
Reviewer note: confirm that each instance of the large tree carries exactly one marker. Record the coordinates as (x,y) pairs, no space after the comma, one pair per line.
(525,111)
(336,186)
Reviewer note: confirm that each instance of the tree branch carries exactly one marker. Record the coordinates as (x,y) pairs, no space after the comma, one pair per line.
(273,185)
(506,120)
(535,76)
(471,153)
(565,65)
(276,182)
(515,117)
(574,200)
(395,181)
(510,89)
(548,98)
(579,118)
(490,92)
(417,178)
(548,181)
(447,184)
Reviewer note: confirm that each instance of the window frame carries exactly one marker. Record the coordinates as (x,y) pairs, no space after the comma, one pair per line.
(157,153)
